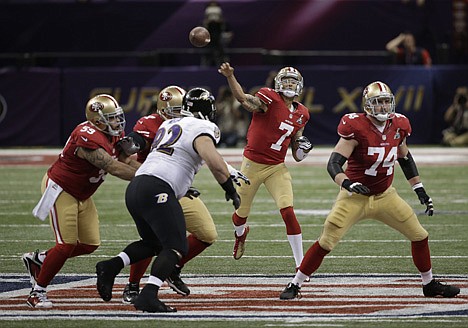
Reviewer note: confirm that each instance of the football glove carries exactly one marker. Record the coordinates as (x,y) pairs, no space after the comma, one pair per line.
(237,175)
(192,193)
(304,144)
(355,187)
(425,200)
(128,146)
(231,193)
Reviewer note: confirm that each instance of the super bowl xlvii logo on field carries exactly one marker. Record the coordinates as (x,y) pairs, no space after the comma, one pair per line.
(3,108)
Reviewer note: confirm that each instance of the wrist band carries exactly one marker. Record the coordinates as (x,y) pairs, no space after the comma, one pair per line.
(417,185)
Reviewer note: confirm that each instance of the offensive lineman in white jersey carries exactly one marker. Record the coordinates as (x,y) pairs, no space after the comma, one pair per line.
(181,146)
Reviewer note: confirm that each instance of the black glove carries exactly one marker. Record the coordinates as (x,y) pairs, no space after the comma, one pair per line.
(304,144)
(425,200)
(192,193)
(131,144)
(231,193)
(356,187)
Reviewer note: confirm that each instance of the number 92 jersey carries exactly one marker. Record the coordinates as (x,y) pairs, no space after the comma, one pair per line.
(173,157)
(372,161)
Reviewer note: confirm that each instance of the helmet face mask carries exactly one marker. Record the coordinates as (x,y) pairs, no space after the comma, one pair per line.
(199,103)
(378,101)
(169,102)
(104,112)
(289,82)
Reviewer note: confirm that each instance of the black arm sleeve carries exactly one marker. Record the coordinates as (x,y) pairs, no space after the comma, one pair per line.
(137,139)
(408,166)
(335,164)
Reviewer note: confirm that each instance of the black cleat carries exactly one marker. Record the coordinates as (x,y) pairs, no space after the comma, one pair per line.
(130,293)
(105,279)
(147,301)
(436,288)
(290,292)
(175,282)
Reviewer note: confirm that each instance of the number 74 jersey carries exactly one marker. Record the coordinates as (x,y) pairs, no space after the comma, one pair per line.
(372,161)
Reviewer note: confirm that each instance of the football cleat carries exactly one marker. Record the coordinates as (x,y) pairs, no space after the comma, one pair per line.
(148,302)
(38,300)
(175,282)
(130,293)
(33,265)
(290,292)
(436,288)
(105,279)
(239,245)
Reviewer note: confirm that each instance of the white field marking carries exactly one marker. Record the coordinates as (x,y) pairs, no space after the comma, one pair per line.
(318,156)
(396,296)
(17,257)
(261,241)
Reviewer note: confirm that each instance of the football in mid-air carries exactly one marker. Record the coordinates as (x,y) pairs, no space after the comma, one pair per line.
(199,36)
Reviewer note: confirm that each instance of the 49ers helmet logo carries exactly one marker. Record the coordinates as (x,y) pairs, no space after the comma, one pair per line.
(96,107)
(165,96)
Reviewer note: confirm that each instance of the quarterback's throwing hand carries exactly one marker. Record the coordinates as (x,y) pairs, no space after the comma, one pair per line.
(355,187)
(425,200)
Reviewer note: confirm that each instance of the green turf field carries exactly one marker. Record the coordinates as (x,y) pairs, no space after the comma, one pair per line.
(370,247)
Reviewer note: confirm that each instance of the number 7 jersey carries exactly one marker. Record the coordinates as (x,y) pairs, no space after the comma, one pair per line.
(372,161)
(270,133)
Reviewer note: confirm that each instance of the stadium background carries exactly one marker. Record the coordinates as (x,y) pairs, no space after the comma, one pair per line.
(56,54)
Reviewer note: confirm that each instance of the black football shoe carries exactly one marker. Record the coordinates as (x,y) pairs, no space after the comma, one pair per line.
(130,293)
(175,282)
(148,301)
(436,288)
(290,292)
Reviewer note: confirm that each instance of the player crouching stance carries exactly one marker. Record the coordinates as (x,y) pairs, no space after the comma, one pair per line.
(181,146)
(371,142)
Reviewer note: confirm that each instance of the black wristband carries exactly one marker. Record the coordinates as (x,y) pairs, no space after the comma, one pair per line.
(228,186)
(346,184)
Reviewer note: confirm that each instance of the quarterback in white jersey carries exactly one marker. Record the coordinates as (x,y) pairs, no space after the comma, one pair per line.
(181,146)
(172,157)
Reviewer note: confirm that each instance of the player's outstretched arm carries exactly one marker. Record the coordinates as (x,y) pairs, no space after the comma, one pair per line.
(101,159)
(249,102)
(215,162)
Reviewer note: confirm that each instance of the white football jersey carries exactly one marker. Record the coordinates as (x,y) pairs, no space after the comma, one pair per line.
(172,157)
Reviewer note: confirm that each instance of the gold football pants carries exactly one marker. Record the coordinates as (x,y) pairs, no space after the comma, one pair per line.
(387,207)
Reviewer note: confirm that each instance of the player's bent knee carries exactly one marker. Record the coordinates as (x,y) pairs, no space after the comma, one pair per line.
(284,201)
(330,237)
